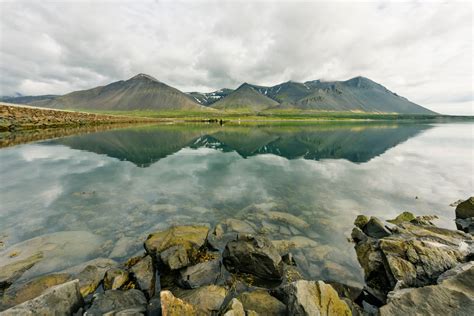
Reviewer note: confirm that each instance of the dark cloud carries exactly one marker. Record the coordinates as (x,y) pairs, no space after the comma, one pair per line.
(421,50)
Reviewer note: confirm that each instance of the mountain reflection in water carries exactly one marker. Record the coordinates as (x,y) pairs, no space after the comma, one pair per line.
(144,146)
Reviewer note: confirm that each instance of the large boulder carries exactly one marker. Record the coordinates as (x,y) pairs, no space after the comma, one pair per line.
(312,298)
(63,299)
(175,246)
(262,302)
(413,255)
(144,274)
(173,306)
(465,216)
(203,273)
(375,228)
(453,295)
(255,255)
(206,299)
(130,302)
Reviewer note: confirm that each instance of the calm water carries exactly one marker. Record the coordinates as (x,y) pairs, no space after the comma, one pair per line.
(100,194)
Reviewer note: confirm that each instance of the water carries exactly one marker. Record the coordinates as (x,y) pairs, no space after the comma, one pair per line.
(110,189)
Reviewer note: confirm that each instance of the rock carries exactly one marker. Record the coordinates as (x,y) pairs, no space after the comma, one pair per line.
(403,217)
(206,299)
(124,247)
(13,271)
(255,255)
(453,295)
(144,274)
(426,220)
(63,299)
(358,235)
(172,306)
(238,226)
(466,225)
(130,302)
(283,246)
(361,221)
(58,250)
(174,246)
(302,242)
(312,298)
(234,308)
(289,219)
(19,293)
(262,302)
(413,256)
(115,279)
(465,209)
(375,228)
(200,274)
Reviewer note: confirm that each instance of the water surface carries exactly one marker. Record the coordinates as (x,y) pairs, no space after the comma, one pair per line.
(111,188)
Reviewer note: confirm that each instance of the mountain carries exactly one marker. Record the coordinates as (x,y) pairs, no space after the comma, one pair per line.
(208,98)
(27,99)
(358,94)
(245,97)
(141,92)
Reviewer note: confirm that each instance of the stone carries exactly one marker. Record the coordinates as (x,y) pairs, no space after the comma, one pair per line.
(283,246)
(123,247)
(177,243)
(361,221)
(206,300)
(200,274)
(19,293)
(13,271)
(403,217)
(262,302)
(172,306)
(465,209)
(255,255)
(234,308)
(466,225)
(312,298)
(115,278)
(63,299)
(238,226)
(453,295)
(144,274)
(130,302)
(302,242)
(288,219)
(358,235)
(375,228)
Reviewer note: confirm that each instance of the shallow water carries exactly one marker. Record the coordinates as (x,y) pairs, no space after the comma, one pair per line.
(117,186)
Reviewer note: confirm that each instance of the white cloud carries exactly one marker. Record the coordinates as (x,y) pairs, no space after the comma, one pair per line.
(421,50)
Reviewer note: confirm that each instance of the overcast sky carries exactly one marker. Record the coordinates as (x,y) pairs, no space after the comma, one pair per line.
(419,49)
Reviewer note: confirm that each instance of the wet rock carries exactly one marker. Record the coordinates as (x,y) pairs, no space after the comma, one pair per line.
(234,308)
(200,274)
(465,209)
(414,256)
(144,273)
(14,270)
(289,219)
(375,228)
(312,298)
(63,299)
(361,221)
(131,302)
(466,225)
(453,295)
(172,306)
(358,235)
(255,255)
(403,217)
(19,293)
(262,302)
(426,220)
(206,299)
(115,279)
(174,246)
(227,230)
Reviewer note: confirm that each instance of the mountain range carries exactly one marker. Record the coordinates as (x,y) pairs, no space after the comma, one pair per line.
(143,92)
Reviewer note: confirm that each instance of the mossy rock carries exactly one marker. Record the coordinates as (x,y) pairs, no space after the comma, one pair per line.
(403,217)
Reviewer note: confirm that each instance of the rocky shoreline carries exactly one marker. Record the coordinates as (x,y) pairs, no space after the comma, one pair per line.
(22,117)
(411,267)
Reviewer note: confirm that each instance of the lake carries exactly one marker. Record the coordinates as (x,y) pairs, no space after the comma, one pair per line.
(99,194)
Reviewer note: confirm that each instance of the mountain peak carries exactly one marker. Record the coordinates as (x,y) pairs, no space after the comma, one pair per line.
(142,76)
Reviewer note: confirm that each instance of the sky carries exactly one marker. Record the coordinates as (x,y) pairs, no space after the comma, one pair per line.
(422,50)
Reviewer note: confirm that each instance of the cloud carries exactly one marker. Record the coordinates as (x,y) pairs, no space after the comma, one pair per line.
(420,50)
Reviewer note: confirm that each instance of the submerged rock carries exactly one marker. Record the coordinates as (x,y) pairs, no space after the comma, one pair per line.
(14,270)
(63,299)
(130,302)
(255,255)
(262,302)
(312,298)
(453,295)
(174,247)
(172,306)
(200,274)
(289,219)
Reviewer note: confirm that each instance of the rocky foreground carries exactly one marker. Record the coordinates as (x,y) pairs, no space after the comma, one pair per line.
(411,267)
